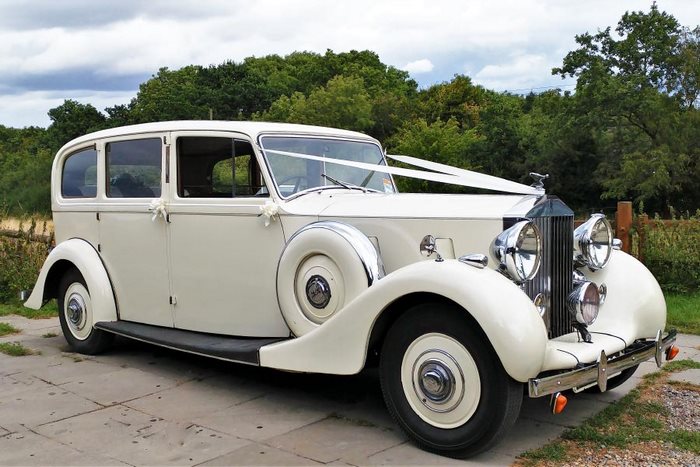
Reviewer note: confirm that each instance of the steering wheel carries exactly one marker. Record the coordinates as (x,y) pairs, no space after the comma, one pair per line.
(298,182)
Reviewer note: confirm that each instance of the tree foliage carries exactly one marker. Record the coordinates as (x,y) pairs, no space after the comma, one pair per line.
(631,129)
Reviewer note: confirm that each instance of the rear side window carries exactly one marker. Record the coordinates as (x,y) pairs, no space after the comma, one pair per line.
(79,178)
(134,168)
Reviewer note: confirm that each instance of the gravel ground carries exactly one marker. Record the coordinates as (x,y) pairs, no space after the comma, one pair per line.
(643,454)
(684,408)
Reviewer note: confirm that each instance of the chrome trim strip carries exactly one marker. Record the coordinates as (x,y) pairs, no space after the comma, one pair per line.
(598,372)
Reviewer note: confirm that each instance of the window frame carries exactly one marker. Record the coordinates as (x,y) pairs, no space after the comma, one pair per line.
(65,159)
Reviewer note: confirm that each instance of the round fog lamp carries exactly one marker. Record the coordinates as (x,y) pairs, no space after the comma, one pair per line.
(584,302)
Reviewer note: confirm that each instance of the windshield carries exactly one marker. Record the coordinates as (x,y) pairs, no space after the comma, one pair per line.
(294,174)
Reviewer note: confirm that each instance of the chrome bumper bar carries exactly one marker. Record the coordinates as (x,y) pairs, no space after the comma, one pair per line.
(598,372)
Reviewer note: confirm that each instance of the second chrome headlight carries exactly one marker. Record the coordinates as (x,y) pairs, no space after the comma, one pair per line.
(519,249)
(593,242)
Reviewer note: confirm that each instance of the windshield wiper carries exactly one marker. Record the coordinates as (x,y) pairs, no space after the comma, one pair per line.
(347,185)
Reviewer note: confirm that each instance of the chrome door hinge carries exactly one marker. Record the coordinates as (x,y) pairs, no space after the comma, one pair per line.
(173,300)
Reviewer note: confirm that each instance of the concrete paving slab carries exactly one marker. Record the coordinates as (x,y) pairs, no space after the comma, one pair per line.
(260,454)
(118,386)
(19,383)
(72,368)
(264,418)
(408,454)
(334,439)
(28,325)
(43,405)
(27,448)
(180,367)
(528,434)
(141,439)
(197,398)
(688,340)
(691,376)
(579,408)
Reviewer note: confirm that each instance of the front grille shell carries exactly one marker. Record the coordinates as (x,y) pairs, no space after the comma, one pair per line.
(555,277)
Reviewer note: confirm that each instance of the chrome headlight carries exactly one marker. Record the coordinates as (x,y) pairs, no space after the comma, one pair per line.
(584,302)
(519,249)
(593,242)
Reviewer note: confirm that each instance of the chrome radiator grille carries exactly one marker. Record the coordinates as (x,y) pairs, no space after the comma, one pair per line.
(554,279)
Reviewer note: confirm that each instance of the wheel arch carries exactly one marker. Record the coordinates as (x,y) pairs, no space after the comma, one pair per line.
(80,255)
(503,312)
(396,309)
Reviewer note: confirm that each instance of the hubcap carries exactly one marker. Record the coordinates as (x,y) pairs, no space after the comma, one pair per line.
(440,380)
(318,291)
(76,310)
(436,381)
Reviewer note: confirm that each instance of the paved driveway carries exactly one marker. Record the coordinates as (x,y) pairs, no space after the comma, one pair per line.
(140,404)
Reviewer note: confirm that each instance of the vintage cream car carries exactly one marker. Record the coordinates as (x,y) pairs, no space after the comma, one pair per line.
(288,246)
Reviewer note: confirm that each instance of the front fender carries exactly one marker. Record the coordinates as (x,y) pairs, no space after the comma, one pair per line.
(634,307)
(83,256)
(505,314)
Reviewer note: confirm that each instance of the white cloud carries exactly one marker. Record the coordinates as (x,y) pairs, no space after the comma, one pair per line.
(509,43)
(419,66)
(30,108)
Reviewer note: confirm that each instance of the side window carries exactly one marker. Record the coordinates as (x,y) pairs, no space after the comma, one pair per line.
(79,177)
(133,168)
(214,167)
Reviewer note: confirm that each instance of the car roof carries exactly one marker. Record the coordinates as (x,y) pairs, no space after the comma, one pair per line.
(252,129)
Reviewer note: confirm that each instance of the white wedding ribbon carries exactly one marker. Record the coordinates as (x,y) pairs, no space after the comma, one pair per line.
(449,175)
(159,208)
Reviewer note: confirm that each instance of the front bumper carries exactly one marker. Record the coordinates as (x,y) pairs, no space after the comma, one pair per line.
(598,372)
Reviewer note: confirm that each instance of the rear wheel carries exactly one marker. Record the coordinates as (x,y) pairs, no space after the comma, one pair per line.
(444,384)
(75,313)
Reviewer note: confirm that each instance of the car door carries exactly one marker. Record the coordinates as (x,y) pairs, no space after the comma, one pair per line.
(133,245)
(223,256)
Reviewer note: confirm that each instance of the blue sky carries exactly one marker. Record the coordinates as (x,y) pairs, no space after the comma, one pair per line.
(99,51)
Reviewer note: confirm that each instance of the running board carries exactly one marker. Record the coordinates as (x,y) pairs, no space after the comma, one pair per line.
(233,349)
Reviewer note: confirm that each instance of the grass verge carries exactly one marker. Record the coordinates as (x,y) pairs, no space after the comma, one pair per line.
(15,349)
(47,311)
(6,329)
(637,419)
(684,312)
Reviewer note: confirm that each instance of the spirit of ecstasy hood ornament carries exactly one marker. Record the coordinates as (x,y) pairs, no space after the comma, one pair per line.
(539,180)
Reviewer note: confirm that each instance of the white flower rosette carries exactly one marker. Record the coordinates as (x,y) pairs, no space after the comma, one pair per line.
(159,208)
(269,211)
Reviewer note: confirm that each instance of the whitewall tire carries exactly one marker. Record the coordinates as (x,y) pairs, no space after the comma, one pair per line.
(76,316)
(444,384)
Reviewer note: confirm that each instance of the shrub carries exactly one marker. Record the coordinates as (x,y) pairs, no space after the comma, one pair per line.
(22,254)
(671,251)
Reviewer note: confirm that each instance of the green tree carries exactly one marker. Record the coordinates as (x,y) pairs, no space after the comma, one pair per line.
(637,87)
(172,95)
(442,142)
(342,103)
(70,120)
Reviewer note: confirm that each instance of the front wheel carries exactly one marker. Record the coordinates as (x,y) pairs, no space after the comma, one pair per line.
(444,384)
(76,316)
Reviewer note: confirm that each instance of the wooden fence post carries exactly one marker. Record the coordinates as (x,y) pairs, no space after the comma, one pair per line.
(623,224)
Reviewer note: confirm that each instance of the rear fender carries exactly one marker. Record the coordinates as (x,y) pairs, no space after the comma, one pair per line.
(506,315)
(82,255)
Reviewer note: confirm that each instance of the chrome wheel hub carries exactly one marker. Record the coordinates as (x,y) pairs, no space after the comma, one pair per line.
(318,291)
(436,381)
(76,313)
(76,310)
